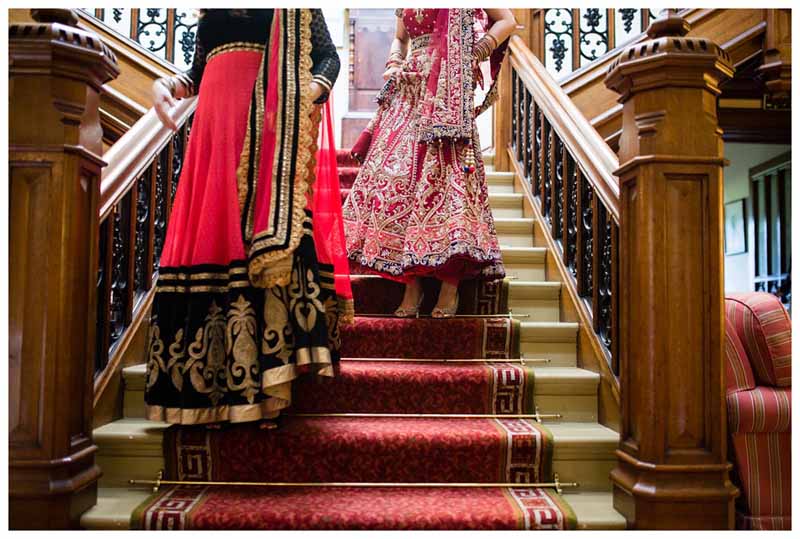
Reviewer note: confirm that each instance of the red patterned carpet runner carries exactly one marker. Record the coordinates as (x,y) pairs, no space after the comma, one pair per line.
(381,449)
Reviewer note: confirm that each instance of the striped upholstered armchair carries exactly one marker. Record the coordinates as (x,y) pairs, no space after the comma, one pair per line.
(758,351)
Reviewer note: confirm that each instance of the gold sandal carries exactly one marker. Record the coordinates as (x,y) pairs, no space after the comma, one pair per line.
(401,312)
(445,312)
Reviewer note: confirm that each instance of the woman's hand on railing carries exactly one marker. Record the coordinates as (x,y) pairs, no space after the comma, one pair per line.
(163,102)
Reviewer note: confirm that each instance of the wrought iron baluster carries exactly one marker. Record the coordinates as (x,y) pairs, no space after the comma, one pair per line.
(604,274)
(143,208)
(569,234)
(514,115)
(103,289)
(548,169)
(558,181)
(528,133)
(119,273)
(520,112)
(533,114)
(586,195)
(160,207)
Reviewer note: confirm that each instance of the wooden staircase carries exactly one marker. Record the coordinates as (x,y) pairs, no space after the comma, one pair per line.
(131,448)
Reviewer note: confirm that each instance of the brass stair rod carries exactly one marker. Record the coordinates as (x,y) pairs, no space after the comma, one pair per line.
(390,315)
(420,360)
(537,416)
(158,482)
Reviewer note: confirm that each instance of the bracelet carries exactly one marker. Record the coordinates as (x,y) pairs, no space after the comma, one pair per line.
(483,49)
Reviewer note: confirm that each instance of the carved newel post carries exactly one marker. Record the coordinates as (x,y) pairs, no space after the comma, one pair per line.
(672,469)
(56,71)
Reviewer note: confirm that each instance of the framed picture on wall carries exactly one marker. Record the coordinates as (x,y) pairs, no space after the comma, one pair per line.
(735,228)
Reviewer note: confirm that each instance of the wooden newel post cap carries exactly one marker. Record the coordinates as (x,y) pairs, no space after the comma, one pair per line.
(669,58)
(56,37)
(63,16)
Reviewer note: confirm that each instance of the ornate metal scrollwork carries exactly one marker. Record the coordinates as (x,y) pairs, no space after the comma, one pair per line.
(586,194)
(558,183)
(160,209)
(605,274)
(558,39)
(151,30)
(548,150)
(142,231)
(534,146)
(119,269)
(514,114)
(571,193)
(184,32)
(528,133)
(101,354)
(627,14)
(593,34)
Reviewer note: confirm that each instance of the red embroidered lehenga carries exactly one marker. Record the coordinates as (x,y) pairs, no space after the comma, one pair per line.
(246,298)
(413,209)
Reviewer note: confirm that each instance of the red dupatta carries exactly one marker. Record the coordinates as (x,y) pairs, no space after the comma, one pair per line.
(448,109)
(277,169)
(325,202)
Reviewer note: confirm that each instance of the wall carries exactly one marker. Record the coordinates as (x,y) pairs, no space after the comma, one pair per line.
(743,156)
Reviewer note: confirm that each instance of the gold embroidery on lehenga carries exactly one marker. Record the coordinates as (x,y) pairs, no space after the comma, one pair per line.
(155,363)
(175,363)
(277,338)
(241,331)
(303,298)
(206,365)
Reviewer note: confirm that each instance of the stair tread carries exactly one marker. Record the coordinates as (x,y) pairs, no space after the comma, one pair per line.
(566,435)
(114,508)
(593,509)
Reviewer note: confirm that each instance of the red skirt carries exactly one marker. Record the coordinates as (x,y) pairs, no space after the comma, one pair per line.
(221,349)
(204,226)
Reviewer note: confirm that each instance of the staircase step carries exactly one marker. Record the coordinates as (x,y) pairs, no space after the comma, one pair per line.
(537,299)
(328,508)
(569,391)
(594,510)
(583,452)
(407,387)
(524,263)
(506,204)
(500,182)
(514,232)
(114,508)
(555,341)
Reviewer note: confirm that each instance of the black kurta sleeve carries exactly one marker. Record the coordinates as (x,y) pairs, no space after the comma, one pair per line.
(191,78)
(325,68)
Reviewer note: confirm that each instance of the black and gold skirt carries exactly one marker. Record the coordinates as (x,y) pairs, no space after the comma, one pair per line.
(222,350)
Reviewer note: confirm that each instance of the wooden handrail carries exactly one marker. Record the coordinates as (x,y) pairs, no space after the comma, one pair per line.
(134,152)
(589,149)
(567,172)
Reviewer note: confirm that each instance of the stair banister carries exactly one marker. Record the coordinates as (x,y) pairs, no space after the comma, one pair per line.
(567,172)
(135,201)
